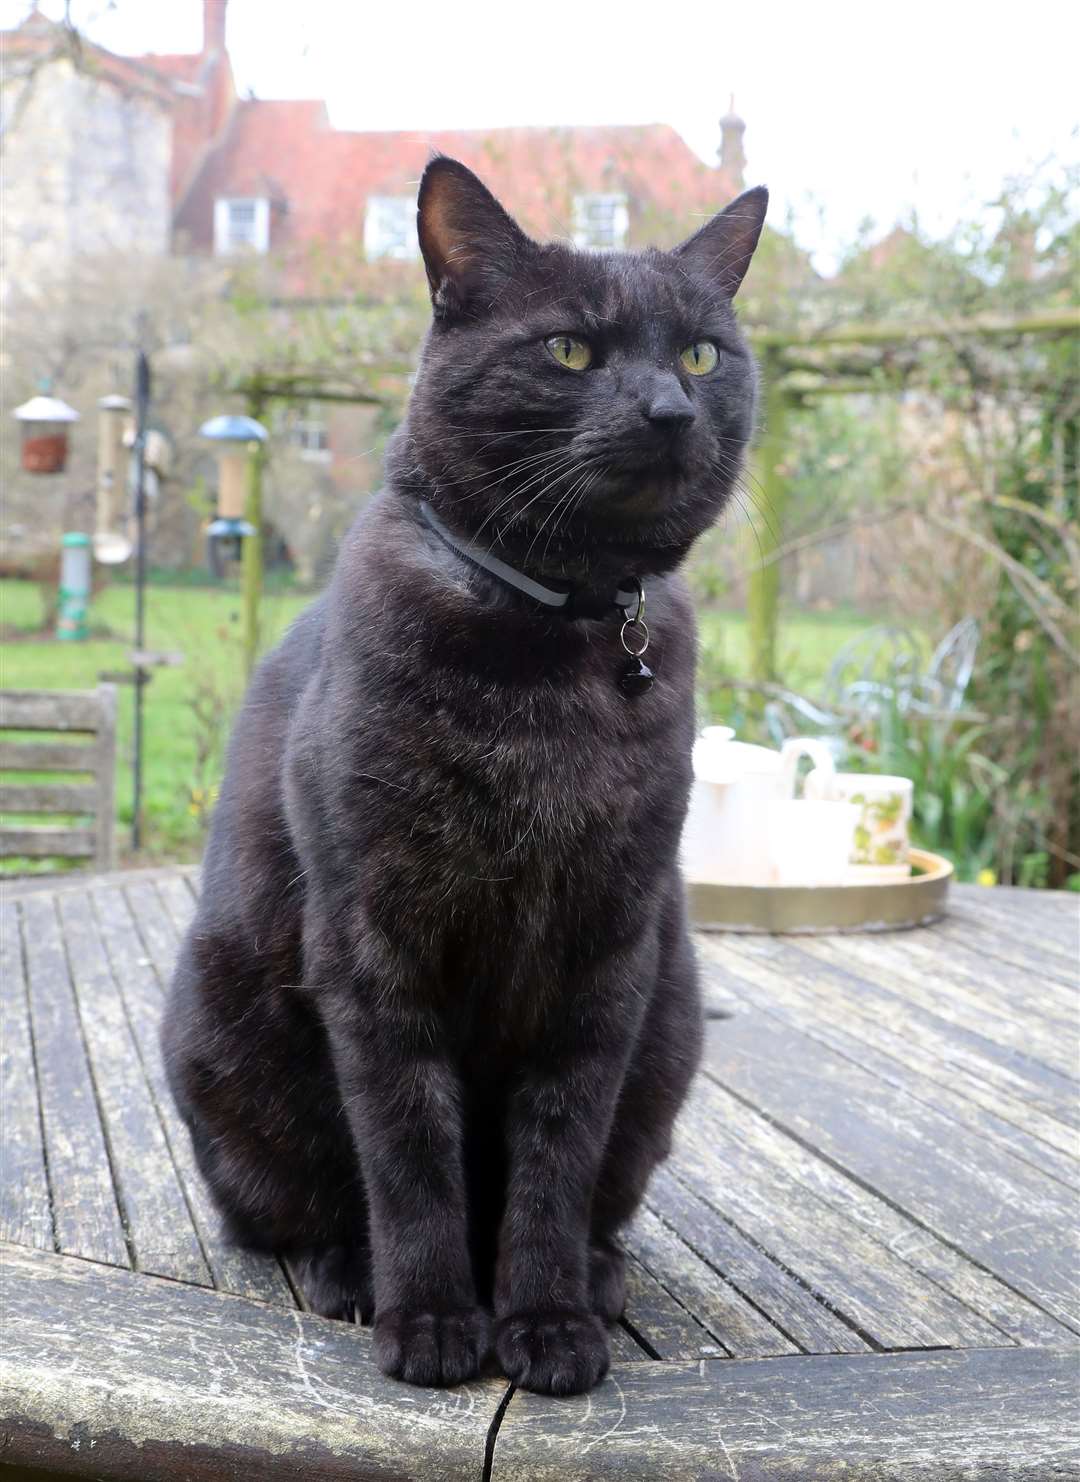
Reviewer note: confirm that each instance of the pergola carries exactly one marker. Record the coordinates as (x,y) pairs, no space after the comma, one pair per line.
(848,359)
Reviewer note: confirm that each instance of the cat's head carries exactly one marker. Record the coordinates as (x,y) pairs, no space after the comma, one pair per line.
(567,399)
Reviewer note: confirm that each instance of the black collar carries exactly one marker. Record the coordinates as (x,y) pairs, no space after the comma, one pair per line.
(563,599)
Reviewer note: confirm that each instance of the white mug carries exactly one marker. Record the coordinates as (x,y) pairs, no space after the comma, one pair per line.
(881,843)
(725,839)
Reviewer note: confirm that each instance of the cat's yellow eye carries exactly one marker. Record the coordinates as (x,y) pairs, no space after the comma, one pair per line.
(568,350)
(700,358)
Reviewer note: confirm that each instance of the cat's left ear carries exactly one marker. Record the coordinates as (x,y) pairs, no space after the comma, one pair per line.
(724,246)
(470,245)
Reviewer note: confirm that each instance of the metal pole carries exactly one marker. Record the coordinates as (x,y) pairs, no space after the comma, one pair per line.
(142,407)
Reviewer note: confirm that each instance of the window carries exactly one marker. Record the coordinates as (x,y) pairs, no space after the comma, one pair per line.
(304,428)
(390,227)
(600,222)
(241,224)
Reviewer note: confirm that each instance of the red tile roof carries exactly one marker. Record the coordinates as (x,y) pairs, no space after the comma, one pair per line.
(183,65)
(319,178)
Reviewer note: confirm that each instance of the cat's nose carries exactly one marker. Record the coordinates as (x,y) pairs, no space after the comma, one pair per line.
(669,408)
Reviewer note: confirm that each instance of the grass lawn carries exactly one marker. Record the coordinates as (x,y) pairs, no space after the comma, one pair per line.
(204,625)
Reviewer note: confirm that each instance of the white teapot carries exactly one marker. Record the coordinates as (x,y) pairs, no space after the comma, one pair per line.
(726,836)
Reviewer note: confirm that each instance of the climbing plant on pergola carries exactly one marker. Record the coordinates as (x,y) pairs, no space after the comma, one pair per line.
(851,359)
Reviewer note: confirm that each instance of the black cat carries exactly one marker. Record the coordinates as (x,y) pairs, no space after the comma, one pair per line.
(437,1011)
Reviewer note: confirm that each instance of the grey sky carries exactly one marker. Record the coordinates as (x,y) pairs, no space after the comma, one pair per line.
(852,110)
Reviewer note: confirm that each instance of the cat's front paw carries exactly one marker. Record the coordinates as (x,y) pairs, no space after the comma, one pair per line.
(553,1353)
(432,1348)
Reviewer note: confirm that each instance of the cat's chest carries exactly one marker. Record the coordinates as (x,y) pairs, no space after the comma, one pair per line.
(532,786)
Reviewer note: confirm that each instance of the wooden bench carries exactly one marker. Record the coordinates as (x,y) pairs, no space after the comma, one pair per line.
(82,740)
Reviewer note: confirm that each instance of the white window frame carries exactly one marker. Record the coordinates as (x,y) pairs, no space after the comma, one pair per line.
(305,428)
(225,242)
(586,208)
(310,436)
(390,228)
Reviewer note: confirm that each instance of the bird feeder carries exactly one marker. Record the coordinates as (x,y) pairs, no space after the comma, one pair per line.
(237,440)
(112,538)
(44,422)
(74,586)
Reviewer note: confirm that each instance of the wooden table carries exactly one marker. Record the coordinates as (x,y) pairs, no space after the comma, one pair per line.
(858,1261)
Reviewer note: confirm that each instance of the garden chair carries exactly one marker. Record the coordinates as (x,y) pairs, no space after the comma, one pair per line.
(73,734)
(881,670)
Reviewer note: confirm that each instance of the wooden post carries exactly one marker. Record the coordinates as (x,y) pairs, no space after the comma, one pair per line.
(251,559)
(105,758)
(763,592)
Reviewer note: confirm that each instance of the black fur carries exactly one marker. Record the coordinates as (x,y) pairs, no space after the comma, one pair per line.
(437,1011)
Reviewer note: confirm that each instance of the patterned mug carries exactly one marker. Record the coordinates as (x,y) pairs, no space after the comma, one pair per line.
(882,842)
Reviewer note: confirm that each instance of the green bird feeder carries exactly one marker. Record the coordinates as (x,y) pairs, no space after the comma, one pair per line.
(74,586)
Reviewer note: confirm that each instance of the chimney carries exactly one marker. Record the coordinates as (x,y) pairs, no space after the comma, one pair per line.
(732,155)
(213,27)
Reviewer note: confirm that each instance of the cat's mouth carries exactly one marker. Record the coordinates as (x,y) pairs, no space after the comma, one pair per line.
(640,484)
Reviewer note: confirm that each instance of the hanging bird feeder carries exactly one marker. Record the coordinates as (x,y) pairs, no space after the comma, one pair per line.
(45,421)
(113,542)
(74,597)
(237,439)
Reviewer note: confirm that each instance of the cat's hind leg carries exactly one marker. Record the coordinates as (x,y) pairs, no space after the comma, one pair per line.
(607,1280)
(336,1280)
(249,1068)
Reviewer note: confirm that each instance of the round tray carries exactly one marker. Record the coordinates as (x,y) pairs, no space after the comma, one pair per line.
(880,906)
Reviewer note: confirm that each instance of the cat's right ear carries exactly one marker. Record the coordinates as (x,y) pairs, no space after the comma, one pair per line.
(469,243)
(724,246)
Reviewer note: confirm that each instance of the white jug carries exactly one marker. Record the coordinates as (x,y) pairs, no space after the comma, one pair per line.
(726,837)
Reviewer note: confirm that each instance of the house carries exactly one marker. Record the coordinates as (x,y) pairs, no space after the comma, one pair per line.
(164,144)
(106,157)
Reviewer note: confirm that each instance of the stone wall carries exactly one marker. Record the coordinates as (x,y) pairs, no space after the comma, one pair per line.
(85,172)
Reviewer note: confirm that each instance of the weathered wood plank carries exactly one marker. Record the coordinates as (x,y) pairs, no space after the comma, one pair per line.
(156,928)
(110,1373)
(48,797)
(993,984)
(992,937)
(1017,1081)
(85,1212)
(163,1238)
(739,1327)
(913,1417)
(52,710)
(45,841)
(25,1210)
(17,887)
(787,1302)
(869,1285)
(760,1147)
(1005,1214)
(178,900)
(880,1034)
(246,1273)
(1050,917)
(624,1350)
(663,1323)
(1023,1031)
(48,756)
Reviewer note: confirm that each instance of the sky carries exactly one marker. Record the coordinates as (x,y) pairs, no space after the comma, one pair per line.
(853,111)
